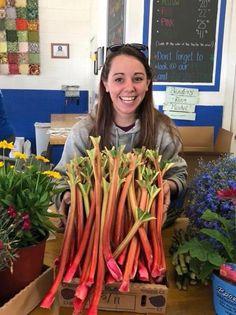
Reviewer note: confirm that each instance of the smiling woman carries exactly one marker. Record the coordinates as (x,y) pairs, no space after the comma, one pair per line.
(125,115)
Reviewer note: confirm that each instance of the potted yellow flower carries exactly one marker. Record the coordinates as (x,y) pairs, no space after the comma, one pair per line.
(27,187)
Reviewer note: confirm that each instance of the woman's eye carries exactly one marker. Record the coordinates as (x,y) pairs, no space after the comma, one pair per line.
(119,80)
(137,79)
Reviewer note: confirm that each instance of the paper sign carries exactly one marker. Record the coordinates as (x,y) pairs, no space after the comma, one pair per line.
(180,115)
(180,107)
(181,101)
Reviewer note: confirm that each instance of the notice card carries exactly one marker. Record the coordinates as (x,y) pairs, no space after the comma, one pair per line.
(181,100)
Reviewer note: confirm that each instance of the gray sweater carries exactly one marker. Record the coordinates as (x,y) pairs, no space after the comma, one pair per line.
(78,139)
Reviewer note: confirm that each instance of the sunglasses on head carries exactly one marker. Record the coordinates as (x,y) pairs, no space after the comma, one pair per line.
(140,47)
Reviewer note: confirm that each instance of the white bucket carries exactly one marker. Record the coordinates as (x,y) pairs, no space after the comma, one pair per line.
(42,136)
(18,146)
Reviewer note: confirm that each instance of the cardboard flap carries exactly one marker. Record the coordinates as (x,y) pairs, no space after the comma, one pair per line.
(223,141)
(197,138)
(28,298)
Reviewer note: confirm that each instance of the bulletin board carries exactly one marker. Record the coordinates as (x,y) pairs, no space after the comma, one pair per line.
(115,22)
(185,38)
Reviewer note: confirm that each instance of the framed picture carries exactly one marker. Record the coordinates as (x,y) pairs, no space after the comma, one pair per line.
(100,56)
(59,50)
(95,64)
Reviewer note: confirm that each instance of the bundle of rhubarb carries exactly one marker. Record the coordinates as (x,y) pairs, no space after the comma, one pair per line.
(113,231)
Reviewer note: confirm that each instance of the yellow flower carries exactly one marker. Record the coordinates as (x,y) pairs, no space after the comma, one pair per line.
(1,164)
(19,155)
(53,174)
(6,145)
(41,158)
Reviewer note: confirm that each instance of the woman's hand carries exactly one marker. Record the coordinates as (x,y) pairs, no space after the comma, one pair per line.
(64,207)
(166,202)
(168,188)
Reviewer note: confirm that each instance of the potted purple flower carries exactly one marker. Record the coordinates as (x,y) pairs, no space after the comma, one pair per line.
(209,241)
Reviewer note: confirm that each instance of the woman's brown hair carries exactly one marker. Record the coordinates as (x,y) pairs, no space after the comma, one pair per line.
(149,117)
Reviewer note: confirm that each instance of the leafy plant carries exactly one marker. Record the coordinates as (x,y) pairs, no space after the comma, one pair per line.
(210,239)
(27,186)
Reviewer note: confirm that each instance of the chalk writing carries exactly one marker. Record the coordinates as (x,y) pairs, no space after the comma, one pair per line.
(183,40)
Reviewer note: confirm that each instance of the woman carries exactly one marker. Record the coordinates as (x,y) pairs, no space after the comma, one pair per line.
(6,129)
(125,114)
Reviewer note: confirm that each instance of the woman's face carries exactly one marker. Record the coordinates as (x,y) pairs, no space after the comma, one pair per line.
(127,84)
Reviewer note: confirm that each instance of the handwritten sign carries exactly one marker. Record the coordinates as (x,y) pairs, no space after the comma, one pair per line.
(180,103)
(183,40)
(181,99)
(180,115)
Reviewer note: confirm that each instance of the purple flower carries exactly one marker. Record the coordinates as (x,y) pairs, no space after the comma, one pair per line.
(213,188)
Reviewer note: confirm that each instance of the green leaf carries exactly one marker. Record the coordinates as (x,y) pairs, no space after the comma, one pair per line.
(208,215)
(199,253)
(206,271)
(215,234)
(195,265)
(144,216)
(215,259)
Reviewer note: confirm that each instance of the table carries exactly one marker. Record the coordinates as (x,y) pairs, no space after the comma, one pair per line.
(60,125)
(197,300)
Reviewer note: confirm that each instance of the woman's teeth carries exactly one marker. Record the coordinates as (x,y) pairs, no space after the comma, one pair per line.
(128,98)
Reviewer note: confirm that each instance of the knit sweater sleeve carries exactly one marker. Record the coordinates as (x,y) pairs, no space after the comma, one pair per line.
(169,150)
(76,145)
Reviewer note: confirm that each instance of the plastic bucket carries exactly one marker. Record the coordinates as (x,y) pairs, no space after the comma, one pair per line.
(42,136)
(224,296)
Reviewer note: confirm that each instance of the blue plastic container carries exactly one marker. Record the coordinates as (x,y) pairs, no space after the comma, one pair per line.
(224,296)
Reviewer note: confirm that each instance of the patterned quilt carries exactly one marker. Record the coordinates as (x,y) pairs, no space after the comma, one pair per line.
(19,37)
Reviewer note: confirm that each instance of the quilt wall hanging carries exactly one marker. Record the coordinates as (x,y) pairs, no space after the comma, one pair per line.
(19,37)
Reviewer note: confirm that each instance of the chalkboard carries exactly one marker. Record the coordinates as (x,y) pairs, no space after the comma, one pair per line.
(116,20)
(183,40)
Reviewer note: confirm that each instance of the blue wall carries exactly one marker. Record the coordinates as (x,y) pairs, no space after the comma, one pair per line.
(205,116)
(25,107)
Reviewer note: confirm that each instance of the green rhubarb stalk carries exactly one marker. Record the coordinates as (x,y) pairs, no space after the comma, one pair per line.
(142,217)
(65,251)
(143,274)
(79,215)
(101,263)
(136,260)
(121,205)
(85,188)
(82,289)
(142,232)
(95,157)
(129,265)
(155,269)
(114,163)
(160,204)
(82,246)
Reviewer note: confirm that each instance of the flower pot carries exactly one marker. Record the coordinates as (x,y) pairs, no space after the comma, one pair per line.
(224,295)
(26,268)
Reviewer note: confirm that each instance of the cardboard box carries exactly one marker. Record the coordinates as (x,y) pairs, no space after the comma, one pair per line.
(201,139)
(197,138)
(142,298)
(28,298)
(198,143)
